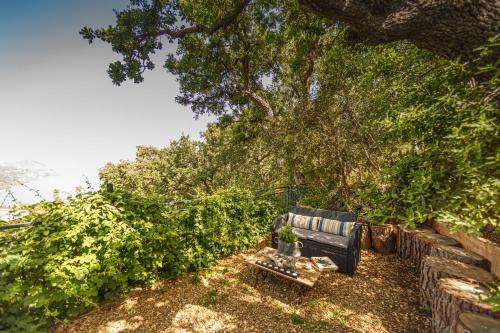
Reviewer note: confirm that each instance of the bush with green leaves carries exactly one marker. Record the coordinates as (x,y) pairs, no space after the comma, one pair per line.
(493,297)
(95,245)
(286,234)
(447,166)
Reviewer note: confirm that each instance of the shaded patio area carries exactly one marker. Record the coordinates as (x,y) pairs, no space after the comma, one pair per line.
(381,297)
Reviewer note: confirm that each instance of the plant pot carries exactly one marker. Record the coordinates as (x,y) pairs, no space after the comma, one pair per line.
(289,249)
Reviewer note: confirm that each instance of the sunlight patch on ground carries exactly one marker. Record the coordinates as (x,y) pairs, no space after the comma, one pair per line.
(202,319)
(122,325)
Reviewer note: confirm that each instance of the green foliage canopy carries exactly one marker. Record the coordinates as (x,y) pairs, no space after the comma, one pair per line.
(411,136)
(98,244)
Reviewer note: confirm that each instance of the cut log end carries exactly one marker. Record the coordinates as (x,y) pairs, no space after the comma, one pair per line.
(407,239)
(384,238)
(424,242)
(453,296)
(434,238)
(459,254)
(475,323)
(435,268)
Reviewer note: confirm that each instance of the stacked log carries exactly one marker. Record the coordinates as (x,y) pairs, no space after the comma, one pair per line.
(453,297)
(407,241)
(384,238)
(435,268)
(459,254)
(424,242)
(366,242)
(475,323)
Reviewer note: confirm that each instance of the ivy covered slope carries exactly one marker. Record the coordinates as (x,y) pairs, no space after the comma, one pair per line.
(97,244)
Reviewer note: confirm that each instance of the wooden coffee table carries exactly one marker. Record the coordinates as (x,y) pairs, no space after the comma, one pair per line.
(305,278)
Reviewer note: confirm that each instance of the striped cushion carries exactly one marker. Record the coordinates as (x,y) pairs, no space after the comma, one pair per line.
(335,227)
(303,222)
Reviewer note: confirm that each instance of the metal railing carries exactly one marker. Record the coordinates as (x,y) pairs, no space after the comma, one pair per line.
(15,225)
(282,197)
(285,196)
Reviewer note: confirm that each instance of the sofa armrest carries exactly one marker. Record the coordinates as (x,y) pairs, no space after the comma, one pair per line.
(355,237)
(279,222)
(354,249)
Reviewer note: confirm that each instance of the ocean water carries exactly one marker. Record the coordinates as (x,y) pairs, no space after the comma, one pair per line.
(43,187)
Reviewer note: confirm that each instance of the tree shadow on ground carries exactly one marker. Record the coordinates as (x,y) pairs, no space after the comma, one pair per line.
(381,297)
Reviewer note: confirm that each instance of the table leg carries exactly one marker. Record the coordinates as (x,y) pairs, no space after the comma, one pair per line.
(259,273)
(303,290)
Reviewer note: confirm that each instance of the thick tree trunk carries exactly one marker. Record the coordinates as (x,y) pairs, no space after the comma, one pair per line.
(366,242)
(384,238)
(453,297)
(459,254)
(435,268)
(407,241)
(449,28)
(475,323)
(425,241)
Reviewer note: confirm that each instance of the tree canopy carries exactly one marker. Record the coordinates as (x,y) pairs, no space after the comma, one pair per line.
(410,135)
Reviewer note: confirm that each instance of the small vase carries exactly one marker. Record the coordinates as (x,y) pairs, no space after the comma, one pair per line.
(289,249)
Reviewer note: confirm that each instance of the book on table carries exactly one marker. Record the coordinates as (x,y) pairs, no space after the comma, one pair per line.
(323,264)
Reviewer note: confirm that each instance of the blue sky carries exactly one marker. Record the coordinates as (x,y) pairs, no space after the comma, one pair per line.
(59,111)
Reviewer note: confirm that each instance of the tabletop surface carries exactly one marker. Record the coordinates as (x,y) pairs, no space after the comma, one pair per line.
(306,277)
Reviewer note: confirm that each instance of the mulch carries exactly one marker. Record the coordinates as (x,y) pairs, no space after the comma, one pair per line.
(381,297)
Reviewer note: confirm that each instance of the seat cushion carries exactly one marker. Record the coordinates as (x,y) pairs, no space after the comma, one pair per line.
(322,237)
(303,233)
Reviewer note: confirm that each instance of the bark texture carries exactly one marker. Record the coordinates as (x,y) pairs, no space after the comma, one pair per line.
(424,243)
(435,268)
(459,254)
(449,28)
(453,297)
(384,238)
(366,242)
(407,242)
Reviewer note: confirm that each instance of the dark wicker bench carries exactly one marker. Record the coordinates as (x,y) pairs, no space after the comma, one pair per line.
(344,251)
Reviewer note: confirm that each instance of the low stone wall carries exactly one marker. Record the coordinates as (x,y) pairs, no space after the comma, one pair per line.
(484,247)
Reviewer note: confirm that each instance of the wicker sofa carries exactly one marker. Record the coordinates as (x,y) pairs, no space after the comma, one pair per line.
(343,250)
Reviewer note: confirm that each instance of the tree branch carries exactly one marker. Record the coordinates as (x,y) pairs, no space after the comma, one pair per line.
(449,28)
(261,102)
(227,20)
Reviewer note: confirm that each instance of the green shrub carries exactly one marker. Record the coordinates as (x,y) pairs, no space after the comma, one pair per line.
(286,234)
(95,245)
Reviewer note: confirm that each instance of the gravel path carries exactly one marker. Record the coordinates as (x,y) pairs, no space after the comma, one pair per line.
(382,297)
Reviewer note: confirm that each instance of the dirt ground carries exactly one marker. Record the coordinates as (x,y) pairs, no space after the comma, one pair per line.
(381,297)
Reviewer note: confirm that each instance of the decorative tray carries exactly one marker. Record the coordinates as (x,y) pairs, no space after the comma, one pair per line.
(281,270)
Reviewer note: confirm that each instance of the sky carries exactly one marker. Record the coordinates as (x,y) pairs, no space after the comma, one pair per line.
(60,114)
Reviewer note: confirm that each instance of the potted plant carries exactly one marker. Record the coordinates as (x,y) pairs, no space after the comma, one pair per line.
(288,243)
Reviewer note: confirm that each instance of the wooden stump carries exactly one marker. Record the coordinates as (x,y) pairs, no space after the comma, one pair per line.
(423,244)
(453,297)
(406,241)
(384,238)
(459,254)
(435,268)
(475,323)
(366,242)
